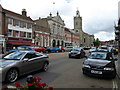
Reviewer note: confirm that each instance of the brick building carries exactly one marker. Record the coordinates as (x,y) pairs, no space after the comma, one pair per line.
(41,32)
(16,28)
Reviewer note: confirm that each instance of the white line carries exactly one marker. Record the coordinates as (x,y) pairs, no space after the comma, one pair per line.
(115,87)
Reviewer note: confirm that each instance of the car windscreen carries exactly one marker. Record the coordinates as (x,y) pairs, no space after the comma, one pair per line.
(14,56)
(76,50)
(98,55)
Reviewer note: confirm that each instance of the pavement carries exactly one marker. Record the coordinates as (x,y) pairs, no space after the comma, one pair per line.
(118,71)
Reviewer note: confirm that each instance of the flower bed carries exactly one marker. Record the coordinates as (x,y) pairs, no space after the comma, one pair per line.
(32,83)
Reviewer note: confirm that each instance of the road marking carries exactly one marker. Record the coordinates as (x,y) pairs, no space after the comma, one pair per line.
(115,87)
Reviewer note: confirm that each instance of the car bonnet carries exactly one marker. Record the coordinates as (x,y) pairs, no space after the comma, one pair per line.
(96,62)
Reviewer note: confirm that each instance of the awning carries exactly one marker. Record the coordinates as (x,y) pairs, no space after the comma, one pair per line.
(20,43)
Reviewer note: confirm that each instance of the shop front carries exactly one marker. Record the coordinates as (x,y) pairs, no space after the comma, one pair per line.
(15,42)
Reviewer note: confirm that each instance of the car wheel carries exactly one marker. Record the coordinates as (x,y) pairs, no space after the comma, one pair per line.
(12,75)
(69,56)
(80,56)
(57,51)
(45,66)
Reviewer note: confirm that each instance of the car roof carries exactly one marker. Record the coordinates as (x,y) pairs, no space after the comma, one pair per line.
(77,48)
(23,46)
(100,51)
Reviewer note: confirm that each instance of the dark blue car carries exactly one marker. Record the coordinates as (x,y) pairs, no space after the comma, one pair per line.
(55,49)
(28,48)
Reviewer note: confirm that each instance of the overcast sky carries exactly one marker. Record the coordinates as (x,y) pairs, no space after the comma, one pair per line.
(98,15)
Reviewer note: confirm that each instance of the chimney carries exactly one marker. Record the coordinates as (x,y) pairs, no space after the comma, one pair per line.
(24,13)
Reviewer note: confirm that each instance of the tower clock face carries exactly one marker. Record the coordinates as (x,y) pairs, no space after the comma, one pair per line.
(77,31)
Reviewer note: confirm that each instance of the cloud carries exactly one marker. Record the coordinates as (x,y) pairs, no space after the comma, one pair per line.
(98,15)
(104,36)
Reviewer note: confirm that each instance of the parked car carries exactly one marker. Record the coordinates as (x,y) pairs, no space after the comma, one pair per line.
(68,48)
(103,48)
(86,48)
(62,49)
(92,49)
(28,48)
(15,64)
(100,64)
(48,49)
(55,49)
(77,53)
(39,49)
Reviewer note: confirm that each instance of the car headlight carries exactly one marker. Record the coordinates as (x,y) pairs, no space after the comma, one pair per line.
(78,53)
(69,52)
(110,69)
(87,66)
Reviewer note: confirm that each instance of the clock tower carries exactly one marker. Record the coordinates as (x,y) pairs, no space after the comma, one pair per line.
(78,26)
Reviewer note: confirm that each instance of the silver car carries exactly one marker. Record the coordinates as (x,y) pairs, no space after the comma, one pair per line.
(18,63)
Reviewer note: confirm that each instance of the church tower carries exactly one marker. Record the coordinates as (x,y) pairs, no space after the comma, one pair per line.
(77,22)
(78,26)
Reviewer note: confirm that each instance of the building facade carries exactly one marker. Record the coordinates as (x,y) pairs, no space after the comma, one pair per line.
(41,33)
(17,28)
(57,30)
(71,38)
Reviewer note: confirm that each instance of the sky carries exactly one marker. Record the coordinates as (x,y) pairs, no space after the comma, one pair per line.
(98,16)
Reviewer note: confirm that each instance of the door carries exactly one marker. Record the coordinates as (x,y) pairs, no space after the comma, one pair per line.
(30,64)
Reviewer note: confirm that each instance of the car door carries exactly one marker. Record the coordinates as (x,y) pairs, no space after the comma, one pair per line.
(29,62)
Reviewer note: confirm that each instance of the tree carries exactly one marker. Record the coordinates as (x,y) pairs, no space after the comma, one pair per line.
(96,42)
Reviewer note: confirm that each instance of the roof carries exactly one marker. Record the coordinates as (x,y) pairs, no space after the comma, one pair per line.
(17,15)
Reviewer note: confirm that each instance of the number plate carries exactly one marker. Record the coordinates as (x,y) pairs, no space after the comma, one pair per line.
(72,54)
(96,72)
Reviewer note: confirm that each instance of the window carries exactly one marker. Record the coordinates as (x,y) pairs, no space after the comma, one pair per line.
(29,25)
(21,24)
(30,55)
(29,35)
(9,32)
(76,23)
(10,21)
(17,33)
(24,25)
(17,23)
(24,34)
(84,40)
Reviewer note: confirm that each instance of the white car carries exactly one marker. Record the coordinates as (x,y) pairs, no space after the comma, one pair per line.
(68,48)
(92,49)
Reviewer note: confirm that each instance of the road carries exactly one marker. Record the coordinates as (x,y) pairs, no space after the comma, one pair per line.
(66,72)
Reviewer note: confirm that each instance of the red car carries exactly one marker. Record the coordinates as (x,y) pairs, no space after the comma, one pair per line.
(39,49)
(62,49)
